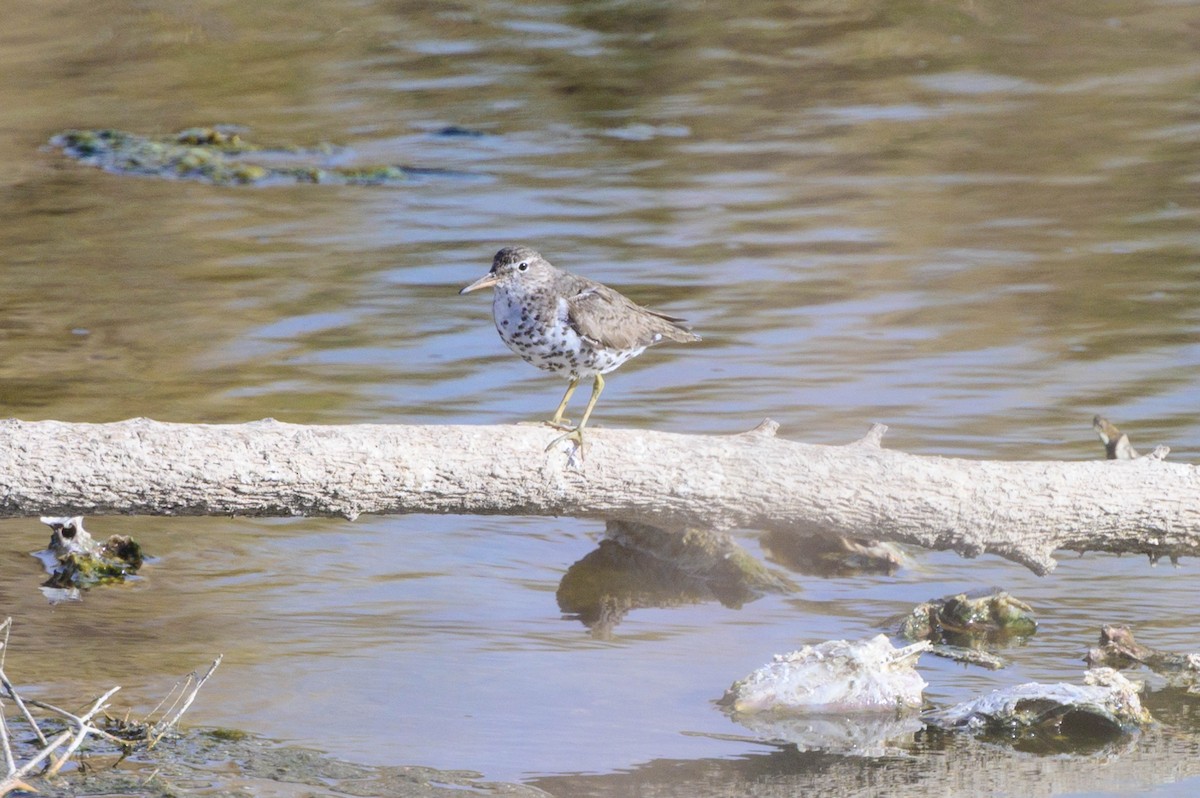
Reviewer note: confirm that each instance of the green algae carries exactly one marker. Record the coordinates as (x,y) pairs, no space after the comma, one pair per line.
(75,561)
(219,156)
(970,619)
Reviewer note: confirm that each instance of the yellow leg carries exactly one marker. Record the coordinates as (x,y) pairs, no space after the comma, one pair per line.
(597,387)
(577,433)
(557,421)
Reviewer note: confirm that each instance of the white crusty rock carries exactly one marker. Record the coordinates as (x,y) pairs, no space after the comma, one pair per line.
(836,676)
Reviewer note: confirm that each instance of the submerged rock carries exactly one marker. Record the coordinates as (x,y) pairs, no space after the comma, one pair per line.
(217,155)
(1118,649)
(75,560)
(964,626)
(1105,708)
(964,618)
(836,676)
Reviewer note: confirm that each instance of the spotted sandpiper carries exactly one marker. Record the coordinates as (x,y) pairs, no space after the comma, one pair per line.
(569,324)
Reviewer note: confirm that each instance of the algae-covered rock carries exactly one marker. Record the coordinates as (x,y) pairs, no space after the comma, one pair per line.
(970,619)
(217,155)
(967,627)
(193,154)
(75,560)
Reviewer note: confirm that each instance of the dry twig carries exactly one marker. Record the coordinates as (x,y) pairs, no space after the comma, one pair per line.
(81,726)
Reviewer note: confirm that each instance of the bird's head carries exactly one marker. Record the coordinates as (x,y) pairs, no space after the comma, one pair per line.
(511,266)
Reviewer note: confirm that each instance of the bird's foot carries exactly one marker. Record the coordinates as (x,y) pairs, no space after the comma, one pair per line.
(575,434)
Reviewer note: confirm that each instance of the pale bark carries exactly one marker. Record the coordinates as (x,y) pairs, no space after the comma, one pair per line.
(1020,510)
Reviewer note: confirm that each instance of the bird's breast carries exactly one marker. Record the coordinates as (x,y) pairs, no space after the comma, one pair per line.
(533,327)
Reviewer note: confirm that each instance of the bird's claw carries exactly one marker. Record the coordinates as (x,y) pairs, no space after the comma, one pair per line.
(575,434)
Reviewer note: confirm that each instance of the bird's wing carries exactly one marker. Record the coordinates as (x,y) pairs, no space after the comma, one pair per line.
(608,318)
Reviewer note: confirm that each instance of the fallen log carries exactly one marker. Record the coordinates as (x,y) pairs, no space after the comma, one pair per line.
(1023,511)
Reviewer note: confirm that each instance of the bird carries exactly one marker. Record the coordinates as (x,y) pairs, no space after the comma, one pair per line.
(570,325)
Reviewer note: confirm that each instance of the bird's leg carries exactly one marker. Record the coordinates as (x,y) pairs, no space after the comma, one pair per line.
(558,421)
(577,433)
(597,387)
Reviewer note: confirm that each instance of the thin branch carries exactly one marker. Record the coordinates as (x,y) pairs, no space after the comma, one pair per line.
(77,720)
(45,752)
(85,728)
(12,692)
(10,764)
(163,727)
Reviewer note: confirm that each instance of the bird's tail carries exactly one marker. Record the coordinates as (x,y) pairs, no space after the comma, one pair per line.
(676,329)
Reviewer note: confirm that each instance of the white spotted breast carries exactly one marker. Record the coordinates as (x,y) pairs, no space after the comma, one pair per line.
(541,333)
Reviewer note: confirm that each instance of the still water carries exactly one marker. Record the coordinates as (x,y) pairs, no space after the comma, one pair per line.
(975,222)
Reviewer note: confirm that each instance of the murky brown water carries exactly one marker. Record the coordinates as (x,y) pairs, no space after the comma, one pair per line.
(975,222)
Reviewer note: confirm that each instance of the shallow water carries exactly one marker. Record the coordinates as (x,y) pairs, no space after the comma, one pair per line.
(973,222)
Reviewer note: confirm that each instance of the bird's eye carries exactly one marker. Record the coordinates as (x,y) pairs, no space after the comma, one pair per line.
(522,266)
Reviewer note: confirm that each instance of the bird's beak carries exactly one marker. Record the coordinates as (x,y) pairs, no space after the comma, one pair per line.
(486,281)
